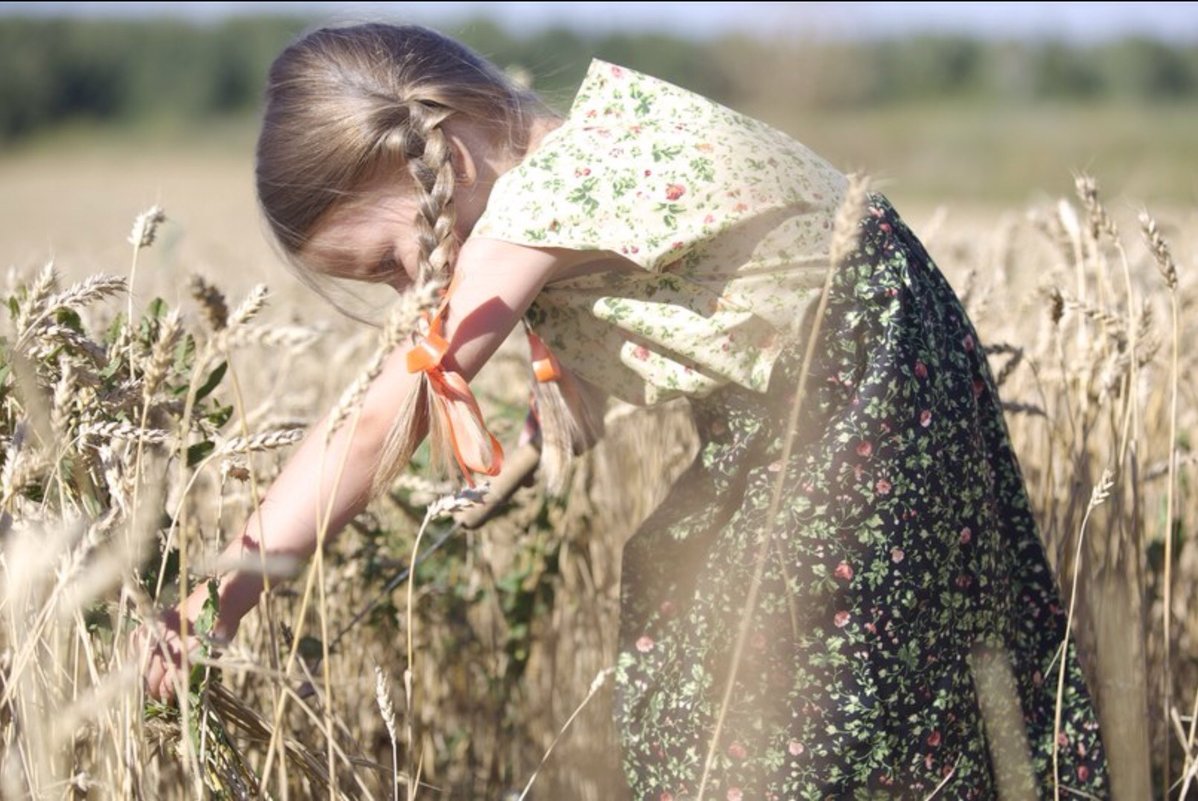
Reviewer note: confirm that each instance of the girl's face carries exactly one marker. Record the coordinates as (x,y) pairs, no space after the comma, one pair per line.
(372,238)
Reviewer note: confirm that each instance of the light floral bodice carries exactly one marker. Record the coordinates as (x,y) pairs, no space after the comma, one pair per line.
(729,218)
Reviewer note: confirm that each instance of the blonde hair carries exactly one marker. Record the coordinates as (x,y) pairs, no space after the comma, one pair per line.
(344,106)
(344,103)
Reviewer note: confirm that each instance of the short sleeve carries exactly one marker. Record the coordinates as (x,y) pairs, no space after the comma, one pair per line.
(727,216)
(598,189)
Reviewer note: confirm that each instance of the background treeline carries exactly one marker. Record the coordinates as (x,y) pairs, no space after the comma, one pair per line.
(59,70)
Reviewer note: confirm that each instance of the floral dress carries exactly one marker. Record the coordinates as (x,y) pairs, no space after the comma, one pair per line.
(894,630)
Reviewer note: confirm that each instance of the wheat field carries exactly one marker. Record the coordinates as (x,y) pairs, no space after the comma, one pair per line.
(152,383)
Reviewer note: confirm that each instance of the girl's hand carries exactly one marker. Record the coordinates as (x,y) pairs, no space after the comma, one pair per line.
(162,672)
(166,646)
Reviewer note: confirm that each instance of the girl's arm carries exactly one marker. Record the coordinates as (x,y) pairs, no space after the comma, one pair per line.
(498,282)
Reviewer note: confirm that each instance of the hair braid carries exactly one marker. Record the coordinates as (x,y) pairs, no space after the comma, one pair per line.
(432,171)
(349,106)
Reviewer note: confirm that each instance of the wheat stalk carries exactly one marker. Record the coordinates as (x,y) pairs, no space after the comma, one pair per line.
(293,337)
(401,322)
(845,235)
(254,302)
(145,227)
(383,693)
(161,355)
(264,441)
(212,302)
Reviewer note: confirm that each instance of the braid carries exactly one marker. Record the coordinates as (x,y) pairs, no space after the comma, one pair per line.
(422,143)
(349,107)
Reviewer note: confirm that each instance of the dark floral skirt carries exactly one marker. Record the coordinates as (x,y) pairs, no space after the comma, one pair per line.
(906,631)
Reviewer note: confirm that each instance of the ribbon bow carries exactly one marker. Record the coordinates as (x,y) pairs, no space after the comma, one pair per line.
(453,410)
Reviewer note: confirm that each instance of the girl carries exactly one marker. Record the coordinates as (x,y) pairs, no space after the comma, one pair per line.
(852,602)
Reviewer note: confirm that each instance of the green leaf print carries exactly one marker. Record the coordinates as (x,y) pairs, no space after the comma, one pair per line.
(623,185)
(582,195)
(703,169)
(662,152)
(644,102)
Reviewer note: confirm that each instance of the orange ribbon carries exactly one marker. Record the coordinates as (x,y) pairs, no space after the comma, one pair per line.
(545,365)
(475,448)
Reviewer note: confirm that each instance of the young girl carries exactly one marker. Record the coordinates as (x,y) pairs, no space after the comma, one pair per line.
(856,605)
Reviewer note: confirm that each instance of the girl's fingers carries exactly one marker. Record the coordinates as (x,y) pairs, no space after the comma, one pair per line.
(160,679)
(153,677)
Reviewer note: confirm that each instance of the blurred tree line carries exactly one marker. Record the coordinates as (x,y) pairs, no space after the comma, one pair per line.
(60,70)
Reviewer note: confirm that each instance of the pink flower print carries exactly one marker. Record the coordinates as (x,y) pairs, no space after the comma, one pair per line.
(921,369)
(925,418)
(675,191)
(963,581)
(885,227)
(667,609)
(1083,773)
(865,448)
(844,571)
(734,794)
(617,72)
(737,751)
(897,555)
(648,173)
(966,535)
(592,114)
(934,738)
(979,386)
(709,219)
(739,207)
(795,748)
(644,644)
(871,628)
(882,486)
(641,352)
(1062,739)
(968,343)
(841,619)
(666,796)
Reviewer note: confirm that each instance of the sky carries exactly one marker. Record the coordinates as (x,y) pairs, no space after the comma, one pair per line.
(1070,21)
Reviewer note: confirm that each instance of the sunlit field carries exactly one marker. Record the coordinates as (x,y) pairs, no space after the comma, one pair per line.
(134,449)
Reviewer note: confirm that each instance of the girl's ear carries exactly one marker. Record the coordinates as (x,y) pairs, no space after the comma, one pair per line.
(465,170)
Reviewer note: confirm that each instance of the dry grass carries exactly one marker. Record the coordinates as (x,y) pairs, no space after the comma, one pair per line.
(510,625)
